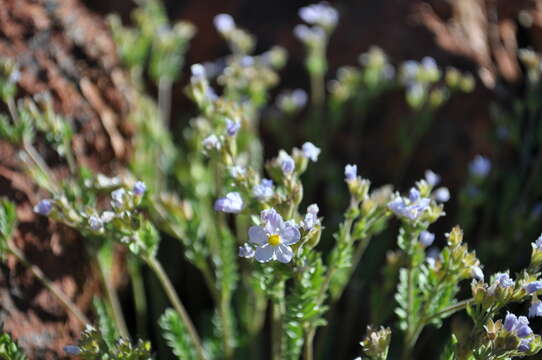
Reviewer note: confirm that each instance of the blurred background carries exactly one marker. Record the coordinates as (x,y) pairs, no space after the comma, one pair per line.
(62,44)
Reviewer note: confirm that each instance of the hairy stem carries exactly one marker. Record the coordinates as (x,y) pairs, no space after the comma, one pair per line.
(140,299)
(177,304)
(59,295)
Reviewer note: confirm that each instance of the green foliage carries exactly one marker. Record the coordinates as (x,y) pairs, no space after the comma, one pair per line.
(106,323)
(176,336)
(9,349)
(93,346)
(8,219)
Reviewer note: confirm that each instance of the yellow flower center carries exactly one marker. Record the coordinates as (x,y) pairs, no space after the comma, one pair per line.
(274,240)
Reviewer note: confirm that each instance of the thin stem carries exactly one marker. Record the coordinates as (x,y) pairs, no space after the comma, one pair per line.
(140,299)
(226,327)
(276,330)
(59,295)
(317,89)
(112,298)
(177,304)
(308,353)
(450,309)
(164,98)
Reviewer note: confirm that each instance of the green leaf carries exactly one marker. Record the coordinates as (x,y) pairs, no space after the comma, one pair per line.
(106,323)
(176,335)
(9,349)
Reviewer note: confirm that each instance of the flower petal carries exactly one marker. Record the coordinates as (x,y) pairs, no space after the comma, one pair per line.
(284,253)
(272,220)
(264,253)
(257,235)
(290,234)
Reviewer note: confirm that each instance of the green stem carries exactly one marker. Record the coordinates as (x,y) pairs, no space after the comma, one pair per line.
(225,314)
(164,99)
(276,330)
(177,304)
(59,295)
(113,299)
(140,299)
(308,353)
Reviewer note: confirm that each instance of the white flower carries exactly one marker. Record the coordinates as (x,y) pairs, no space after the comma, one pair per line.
(311,218)
(273,238)
(224,23)
(319,14)
(442,194)
(310,151)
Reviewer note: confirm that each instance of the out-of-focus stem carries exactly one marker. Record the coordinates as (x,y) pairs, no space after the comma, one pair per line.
(140,299)
(59,295)
(177,304)
(164,98)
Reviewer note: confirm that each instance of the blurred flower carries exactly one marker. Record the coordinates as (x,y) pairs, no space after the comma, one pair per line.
(510,321)
(533,287)
(231,203)
(246,251)
(224,23)
(287,164)
(44,207)
(314,35)
(442,194)
(535,309)
(538,243)
(264,190)
(320,14)
(503,280)
(117,198)
(72,350)
(524,345)
(431,178)
(310,151)
(211,142)
(198,72)
(426,238)
(311,218)
(273,238)
(95,223)
(477,273)
(237,171)
(232,127)
(139,188)
(350,172)
(480,166)
(412,207)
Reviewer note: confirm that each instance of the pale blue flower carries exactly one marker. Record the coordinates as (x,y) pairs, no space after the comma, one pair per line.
(311,217)
(426,238)
(237,171)
(524,331)
(538,243)
(350,172)
(264,190)
(299,97)
(232,127)
(287,164)
(503,280)
(510,322)
(480,166)
(44,207)
(211,142)
(95,223)
(139,188)
(231,203)
(412,207)
(118,198)
(442,194)
(533,287)
(224,23)
(310,151)
(477,273)
(198,72)
(246,251)
(525,345)
(319,14)
(273,238)
(314,35)
(432,178)
(429,63)
(535,309)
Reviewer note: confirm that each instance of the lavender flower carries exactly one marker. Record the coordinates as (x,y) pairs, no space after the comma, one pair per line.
(426,238)
(431,178)
(412,207)
(273,238)
(264,190)
(139,188)
(429,63)
(231,203)
(480,166)
(117,198)
(319,14)
(246,251)
(237,171)
(287,164)
(211,142)
(477,273)
(95,223)
(538,243)
(198,72)
(510,322)
(503,280)
(525,345)
(442,194)
(44,207)
(535,309)
(299,98)
(232,127)
(310,151)
(224,23)
(350,172)
(533,287)
(314,35)
(311,218)
(523,330)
